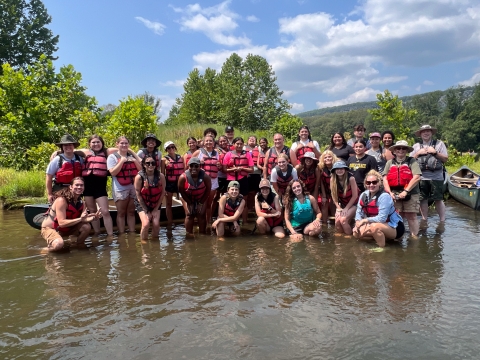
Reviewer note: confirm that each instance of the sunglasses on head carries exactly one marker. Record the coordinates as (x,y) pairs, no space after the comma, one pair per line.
(374,182)
(150,163)
(194,165)
(170,147)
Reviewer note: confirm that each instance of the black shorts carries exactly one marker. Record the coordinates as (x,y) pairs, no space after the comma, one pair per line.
(243,186)
(171,187)
(222,185)
(400,229)
(253,182)
(139,208)
(299,229)
(95,186)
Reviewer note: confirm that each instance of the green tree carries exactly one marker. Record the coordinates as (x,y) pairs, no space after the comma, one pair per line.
(392,114)
(23,33)
(288,125)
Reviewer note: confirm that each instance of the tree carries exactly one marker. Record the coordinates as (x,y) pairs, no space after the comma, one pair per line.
(393,115)
(288,125)
(23,33)
(154,102)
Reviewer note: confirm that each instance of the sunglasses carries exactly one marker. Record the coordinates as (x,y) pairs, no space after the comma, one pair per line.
(150,163)
(194,165)
(171,147)
(401,148)
(374,182)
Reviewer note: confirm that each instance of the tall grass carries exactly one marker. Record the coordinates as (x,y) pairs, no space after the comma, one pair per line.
(20,184)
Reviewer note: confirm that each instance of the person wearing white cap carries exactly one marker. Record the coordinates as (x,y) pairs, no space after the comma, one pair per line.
(431,155)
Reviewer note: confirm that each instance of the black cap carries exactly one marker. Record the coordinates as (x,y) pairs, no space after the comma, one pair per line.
(229,128)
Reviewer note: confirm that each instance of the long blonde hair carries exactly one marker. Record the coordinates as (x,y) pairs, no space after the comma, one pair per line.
(335,181)
(321,163)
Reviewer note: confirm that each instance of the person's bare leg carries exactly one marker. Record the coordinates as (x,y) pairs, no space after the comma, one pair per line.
(131,215)
(155,228)
(84,231)
(440,207)
(262,225)
(145,225)
(209,205)
(107,219)
(412,222)
(220,229)
(92,207)
(121,214)
(424,209)
(168,207)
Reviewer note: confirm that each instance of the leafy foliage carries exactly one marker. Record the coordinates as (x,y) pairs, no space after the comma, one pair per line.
(288,125)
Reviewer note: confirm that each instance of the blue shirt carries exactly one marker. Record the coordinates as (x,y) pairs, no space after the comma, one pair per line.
(386,207)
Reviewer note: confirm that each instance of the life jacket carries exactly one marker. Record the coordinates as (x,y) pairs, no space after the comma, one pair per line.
(189,156)
(325,177)
(221,154)
(95,164)
(428,161)
(344,199)
(195,190)
(254,152)
(309,179)
(231,205)
(273,157)
(153,154)
(231,146)
(174,169)
(369,205)
(150,192)
(300,152)
(272,222)
(126,175)
(261,159)
(239,160)
(399,175)
(210,163)
(74,211)
(67,171)
(283,180)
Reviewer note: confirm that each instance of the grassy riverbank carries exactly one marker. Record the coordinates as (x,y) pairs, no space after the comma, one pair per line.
(18,188)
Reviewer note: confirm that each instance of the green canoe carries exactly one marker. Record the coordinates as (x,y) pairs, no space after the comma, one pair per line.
(462,187)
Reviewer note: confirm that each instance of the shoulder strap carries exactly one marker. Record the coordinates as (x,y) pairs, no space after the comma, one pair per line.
(205,152)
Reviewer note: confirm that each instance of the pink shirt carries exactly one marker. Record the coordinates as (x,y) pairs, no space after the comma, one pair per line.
(241,174)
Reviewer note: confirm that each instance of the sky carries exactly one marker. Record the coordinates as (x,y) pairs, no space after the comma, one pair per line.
(323,52)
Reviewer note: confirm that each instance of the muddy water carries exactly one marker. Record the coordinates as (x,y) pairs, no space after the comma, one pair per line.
(252,297)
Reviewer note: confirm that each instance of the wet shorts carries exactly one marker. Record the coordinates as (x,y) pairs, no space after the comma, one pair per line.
(412,205)
(171,187)
(50,234)
(400,229)
(95,186)
(431,190)
(124,194)
(139,208)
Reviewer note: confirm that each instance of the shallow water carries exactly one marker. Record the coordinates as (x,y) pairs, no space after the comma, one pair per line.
(252,297)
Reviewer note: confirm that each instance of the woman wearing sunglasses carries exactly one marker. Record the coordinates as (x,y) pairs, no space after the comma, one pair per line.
(194,186)
(150,190)
(172,167)
(376,216)
(401,178)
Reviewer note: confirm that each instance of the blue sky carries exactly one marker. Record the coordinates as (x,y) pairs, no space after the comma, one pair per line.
(324,52)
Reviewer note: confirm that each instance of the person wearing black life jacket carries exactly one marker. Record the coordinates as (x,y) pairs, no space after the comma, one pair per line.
(309,172)
(64,167)
(238,164)
(67,216)
(210,162)
(302,215)
(360,164)
(195,185)
(192,144)
(150,190)
(303,144)
(431,155)
(376,216)
(151,147)
(344,192)
(124,165)
(282,174)
(269,211)
(400,179)
(327,159)
(271,156)
(95,174)
(173,165)
(230,208)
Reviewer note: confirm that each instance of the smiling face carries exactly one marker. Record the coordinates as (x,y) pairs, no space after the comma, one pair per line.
(149,164)
(328,159)
(304,133)
(282,164)
(387,140)
(122,144)
(252,141)
(192,145)
(308,162)
(233,191)
(400,152)
(426,135)
(375,141)
(68,149)
(372,184)
(359,149)
(194,169)
(278,141)
(208,143)
(340,172)
(263,145)
(95,144)
(77,187)
(297,188)
(151,143)
(337,140)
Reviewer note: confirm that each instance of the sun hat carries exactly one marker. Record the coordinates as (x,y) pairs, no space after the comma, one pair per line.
(194,160)
(339,165)
(151,136)
(375,134)
(264,183)
(310,155)
(167,144)
(67,139)
(233,184)
(425,127)
(401,143)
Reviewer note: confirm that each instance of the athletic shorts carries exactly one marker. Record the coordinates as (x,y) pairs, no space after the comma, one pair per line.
(431,190)
(171,187)
(412,205)
(124,194)
(400,229)
(254,182)
(50,234)
(95,186)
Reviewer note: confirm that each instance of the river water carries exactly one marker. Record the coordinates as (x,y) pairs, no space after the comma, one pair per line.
(252,297)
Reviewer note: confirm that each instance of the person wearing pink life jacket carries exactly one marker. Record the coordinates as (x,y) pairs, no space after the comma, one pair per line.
(173,165)
(303,144)
(376,216)
(192,144)
(230,208)
(124,165)
(150,190)
(64,167)
(269,211)
(401,177)
(194,186)
(67,216)
(151,147)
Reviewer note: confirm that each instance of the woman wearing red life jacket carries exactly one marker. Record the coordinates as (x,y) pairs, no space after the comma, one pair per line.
(401,177)
(67,216)
(344,195)
(282,174)
(192,144)
(223,148)
(303,144)
(210,162)
(194,186)
(150,190)
(327,159)
(230,208)
(237,164)
(376,216)
(124,165)
(262,150)
(173,165)
(309,173)
(254,177)
(269,211)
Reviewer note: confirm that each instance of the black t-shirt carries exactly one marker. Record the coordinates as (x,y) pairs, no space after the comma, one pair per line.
(360,167)
(344,152)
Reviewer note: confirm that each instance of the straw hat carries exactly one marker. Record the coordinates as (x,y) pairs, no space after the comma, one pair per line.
(425,127)
(401,143)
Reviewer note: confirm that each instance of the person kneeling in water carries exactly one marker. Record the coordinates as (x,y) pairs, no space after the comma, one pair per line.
(230,208)
(269,211)
(67,216)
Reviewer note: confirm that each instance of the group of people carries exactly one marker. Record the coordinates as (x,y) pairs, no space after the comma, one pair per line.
(367,185)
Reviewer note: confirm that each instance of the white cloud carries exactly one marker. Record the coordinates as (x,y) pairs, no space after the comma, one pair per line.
(167,102)
(428,83)
(252,18)
(475,79)
(174,83)
(418,88)
(156,27)
(296,107)
(366,94)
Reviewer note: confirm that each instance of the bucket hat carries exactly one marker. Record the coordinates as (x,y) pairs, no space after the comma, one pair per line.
(401,143)
(310,155)
(67,139)
(339,165)
(151,136)
(425,127)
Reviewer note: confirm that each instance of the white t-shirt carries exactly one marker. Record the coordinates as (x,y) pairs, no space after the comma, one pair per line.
(315,143)
(274,176)
(111,162)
